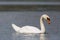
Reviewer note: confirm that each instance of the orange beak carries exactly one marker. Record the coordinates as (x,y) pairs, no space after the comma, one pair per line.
(48,20)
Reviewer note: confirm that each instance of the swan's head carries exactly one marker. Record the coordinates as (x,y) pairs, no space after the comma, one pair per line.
(46,17)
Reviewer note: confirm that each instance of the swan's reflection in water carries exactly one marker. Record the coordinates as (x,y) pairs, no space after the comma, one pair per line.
(17,36)
(42,37)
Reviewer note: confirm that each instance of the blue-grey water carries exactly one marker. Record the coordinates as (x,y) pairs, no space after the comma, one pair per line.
(28,18)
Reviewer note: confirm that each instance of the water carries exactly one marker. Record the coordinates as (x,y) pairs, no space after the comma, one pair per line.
(28,18)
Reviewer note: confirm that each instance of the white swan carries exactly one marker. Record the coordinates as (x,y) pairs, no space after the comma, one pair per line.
(32,29)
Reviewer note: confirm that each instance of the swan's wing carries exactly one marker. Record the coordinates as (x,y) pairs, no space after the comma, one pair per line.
(30,29)
(16,28)
(26,29)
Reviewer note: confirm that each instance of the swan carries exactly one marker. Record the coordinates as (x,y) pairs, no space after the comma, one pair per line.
(32,29)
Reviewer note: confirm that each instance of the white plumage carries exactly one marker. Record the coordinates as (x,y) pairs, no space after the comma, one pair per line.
(32,29)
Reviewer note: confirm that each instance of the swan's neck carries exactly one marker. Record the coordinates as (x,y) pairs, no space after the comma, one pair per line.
(42,25)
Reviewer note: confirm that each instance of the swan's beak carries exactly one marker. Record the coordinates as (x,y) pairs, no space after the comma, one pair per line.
(48,20)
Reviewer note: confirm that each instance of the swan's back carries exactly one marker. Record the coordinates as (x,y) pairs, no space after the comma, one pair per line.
(29,29)
(26,29)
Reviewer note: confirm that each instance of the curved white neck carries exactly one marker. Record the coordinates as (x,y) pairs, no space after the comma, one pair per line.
(42,25)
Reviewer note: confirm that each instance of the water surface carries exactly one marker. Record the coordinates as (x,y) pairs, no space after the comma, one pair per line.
(28,18)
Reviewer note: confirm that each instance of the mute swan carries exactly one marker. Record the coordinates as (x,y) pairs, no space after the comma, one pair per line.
(32,29)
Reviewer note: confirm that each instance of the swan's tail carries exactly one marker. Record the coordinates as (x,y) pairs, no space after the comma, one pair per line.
(16,28)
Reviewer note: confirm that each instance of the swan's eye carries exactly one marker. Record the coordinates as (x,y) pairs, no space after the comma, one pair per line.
(48,20)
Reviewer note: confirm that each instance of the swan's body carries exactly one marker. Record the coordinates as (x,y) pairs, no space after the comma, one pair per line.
(32,29)
(26,29)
